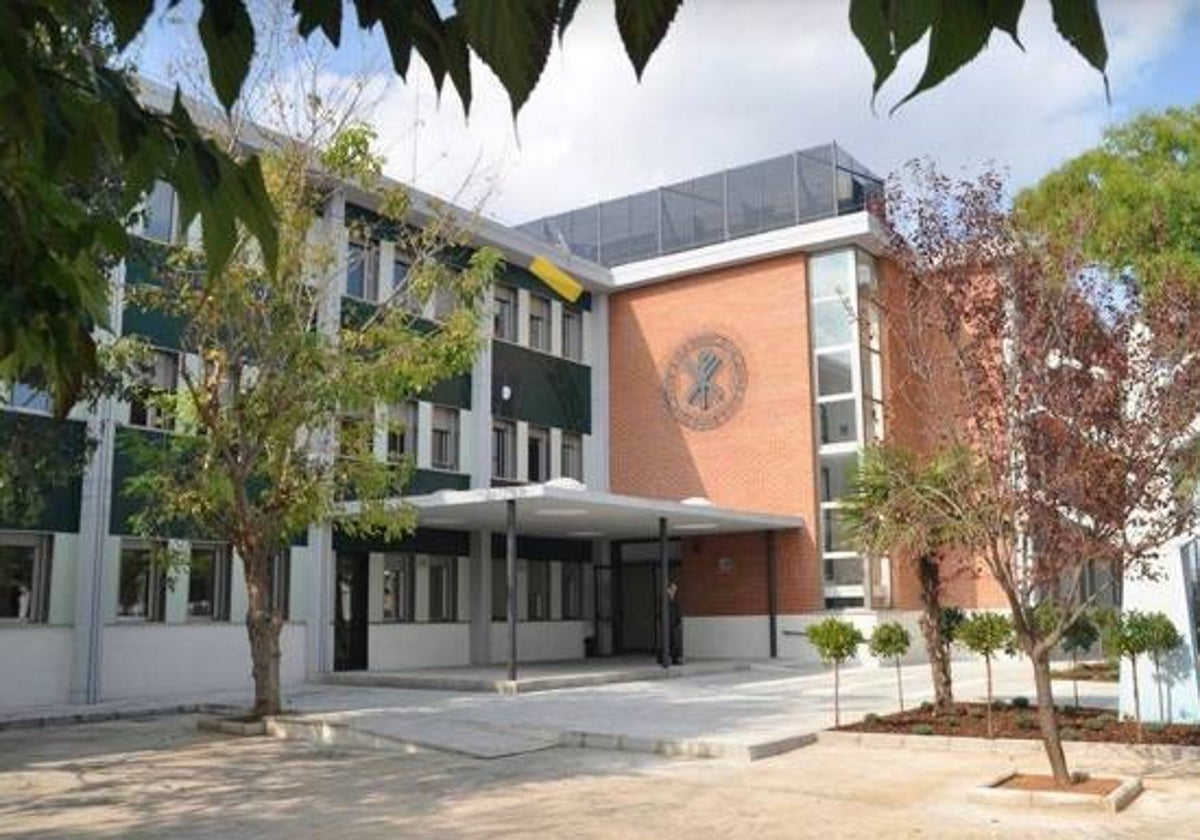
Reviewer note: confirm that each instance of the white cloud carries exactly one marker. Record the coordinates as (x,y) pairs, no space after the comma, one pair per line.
(736,82)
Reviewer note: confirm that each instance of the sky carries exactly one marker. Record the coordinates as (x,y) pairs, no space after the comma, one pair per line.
(736,82)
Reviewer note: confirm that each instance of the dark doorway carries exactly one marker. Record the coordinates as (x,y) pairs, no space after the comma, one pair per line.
(350,612)
(638,594)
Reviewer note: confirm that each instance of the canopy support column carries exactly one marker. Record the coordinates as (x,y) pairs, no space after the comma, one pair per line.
(510,567)
(664,571)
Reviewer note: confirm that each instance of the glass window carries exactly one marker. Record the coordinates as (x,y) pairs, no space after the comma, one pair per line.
(141,592)
(837,474)
(362,270)
(538,588)
(833,533)
(443,588)
(158,222)
(814,175)
(280,577)
(402,431)
(499,589)
(572,456)
(833,323)
(444,303)
(400,290)
(209,582)
(398,587)
(832,274)
(445,438)
(572,590)
(24,577)
(504,449)
(539,323)
(844,571)
(572,334)
(834,373)
(504,313)
(160,376)
(838,421)
(539,453)
(30,398)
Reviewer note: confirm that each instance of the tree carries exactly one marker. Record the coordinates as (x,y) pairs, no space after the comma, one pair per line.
(1079,637)
(986,634)
(836,641)
(891,641)
(1161,639)
(1130,637)
(275,426)
(1076,392)
(910,509)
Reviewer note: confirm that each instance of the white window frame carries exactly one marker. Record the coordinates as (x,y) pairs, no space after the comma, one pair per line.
(37,604)
(445,420)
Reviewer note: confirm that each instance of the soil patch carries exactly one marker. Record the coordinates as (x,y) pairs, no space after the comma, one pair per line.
(968,720)
(1040,781)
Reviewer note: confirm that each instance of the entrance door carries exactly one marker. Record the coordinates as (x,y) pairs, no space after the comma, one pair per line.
(639,608)
(350,612)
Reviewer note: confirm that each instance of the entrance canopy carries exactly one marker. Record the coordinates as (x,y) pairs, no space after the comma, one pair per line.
(567,509)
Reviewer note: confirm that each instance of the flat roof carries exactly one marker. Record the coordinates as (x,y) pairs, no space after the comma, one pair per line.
(567,509)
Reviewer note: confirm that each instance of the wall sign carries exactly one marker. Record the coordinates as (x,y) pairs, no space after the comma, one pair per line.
(705,381)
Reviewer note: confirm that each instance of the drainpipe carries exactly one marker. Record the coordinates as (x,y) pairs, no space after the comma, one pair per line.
(510,558)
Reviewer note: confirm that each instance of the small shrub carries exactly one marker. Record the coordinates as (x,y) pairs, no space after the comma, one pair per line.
(1024,721)
(1095,724)
(921,729)
(1156,727)
(1020,702)
(1069,734)
(977,711)
(926,706)
(871,718)
(950,722)
(1106,719)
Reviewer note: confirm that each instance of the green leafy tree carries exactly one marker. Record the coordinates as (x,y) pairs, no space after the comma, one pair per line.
(890,640)
(917,511)
(1079,637)
(986,634)
(1130,637)
(275,425)
(836,641)
(1161,638)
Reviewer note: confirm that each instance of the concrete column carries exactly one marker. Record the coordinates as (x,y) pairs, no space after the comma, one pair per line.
(479,610)
(424,436)
(523,317)
(479,427)
(510,559)
(522,452)
(556,311)
(320,571)
(595,352)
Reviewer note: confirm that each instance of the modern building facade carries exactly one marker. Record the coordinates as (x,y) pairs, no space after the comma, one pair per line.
(700,408)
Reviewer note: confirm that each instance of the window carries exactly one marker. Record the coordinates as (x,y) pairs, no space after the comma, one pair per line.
(443,588)
(504,449)
(833,323)
(280,579)
(362,270)
(356,435)
(398,587)
(833,374)
(572,590)
(400,290)
(142,588)
(572,456)
(158,220)
(402,432)
(504,313)
(24,577)
(160,377)
(445,438)
(572,334)
(538,449)
(444,303)
(29,398)
(209,574)
(837,473)
(539,323)
(537,585)
(499,589)
(833,532)
(838,423)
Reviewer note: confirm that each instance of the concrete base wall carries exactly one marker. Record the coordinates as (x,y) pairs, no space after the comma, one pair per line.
(726,637)
(36,665)
(145,660)
(392,647)
(541,641)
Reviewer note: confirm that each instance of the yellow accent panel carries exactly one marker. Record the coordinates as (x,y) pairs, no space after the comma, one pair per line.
(556,278)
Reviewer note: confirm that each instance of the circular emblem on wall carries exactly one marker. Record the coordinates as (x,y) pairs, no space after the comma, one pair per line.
(705,381)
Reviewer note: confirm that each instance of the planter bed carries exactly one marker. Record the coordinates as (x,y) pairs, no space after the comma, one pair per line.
(968,720)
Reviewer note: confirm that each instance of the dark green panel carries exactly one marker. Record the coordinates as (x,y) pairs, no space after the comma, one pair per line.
(431,481)
(153,325)
(55,508)
(424,540)
(545,548)
(125,465)
(546,390)
(145,263)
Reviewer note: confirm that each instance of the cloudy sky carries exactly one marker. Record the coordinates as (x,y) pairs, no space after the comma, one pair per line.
(739,81)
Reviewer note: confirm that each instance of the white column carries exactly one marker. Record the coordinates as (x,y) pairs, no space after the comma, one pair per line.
(522,450)
(555,452)
(523,317)
(424,435)
(556,311)
(595,351)
(320,572)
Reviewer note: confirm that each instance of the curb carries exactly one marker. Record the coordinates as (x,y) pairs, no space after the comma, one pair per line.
(1010,746)
(685,747)
(52,719)
(1113,802)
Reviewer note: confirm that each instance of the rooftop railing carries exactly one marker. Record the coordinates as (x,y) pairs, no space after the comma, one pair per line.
(817,183)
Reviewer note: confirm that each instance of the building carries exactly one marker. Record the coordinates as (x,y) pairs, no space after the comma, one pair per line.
(699,409)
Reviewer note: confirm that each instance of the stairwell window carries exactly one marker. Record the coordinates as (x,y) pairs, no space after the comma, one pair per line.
(572,334)
(504,449)
(539,323)
(362,270)
(539,454)
(572,456)
(504,313)
(445,438)
(159,379)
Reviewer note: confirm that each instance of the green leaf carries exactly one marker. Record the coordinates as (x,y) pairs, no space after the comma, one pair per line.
(128,18)
(326,14)
(642,24)
(869,23)
(566,14)
(228,38)
(958,33)
(513,37)
(456,58)
(1005,15)
(1078,21)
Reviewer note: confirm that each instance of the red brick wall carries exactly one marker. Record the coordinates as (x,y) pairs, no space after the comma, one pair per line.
(761,459)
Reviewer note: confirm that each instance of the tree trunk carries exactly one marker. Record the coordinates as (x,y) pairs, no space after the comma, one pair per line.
(1162,718)
(936,646)
(263,624)
(987,664)
(1075,677)
(899,684)
(837,714)
(1137,698)
(1048,720)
